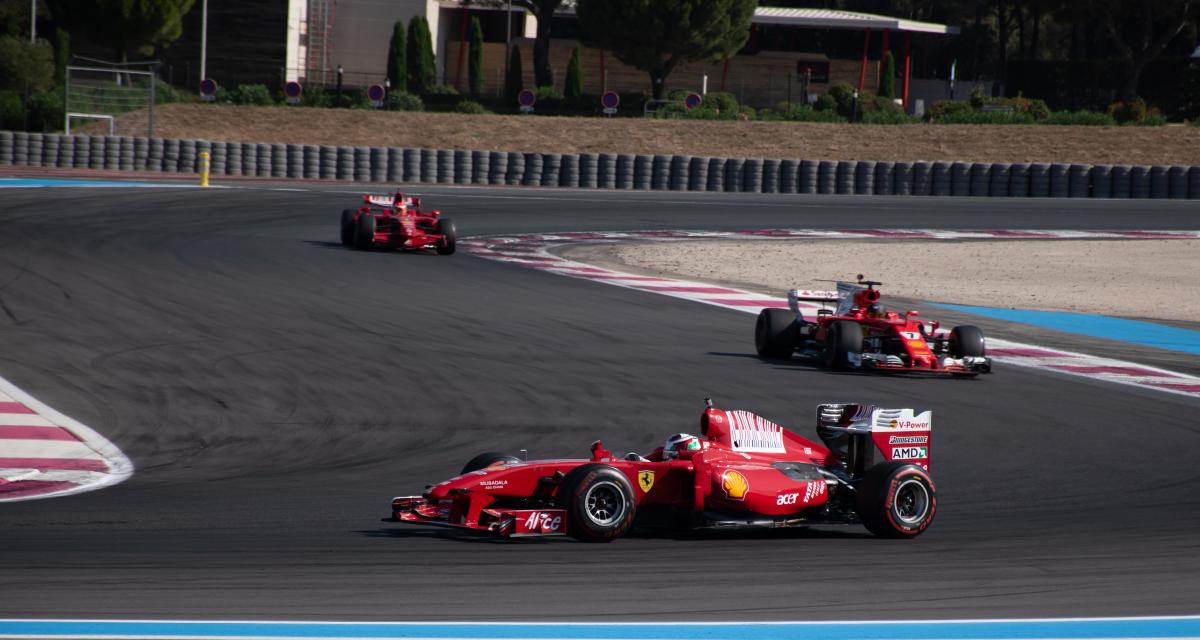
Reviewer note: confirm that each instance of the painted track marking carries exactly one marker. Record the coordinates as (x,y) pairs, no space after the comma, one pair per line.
(534,251)
(45,454)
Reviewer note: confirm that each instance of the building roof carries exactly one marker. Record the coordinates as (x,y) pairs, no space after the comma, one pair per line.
(834,19)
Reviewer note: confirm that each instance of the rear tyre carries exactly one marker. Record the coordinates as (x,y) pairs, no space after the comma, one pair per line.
(485,460)
(449,237)
(364,232)
(966,340)
(842,339)
(348,227)
(775,333)
(896,500)
(599,503)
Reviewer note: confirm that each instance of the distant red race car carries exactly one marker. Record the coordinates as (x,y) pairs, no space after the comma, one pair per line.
(861,334)
(397,222)
(743,471)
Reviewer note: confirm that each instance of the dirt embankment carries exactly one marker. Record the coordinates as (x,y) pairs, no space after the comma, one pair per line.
(816,141)
(1133,278)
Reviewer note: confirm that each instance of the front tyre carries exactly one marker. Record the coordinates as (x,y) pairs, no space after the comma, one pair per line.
(364,231)
(842,339)
(449,237)
(966,341)
(348,227)
(775,333)
(599,503)
(896,500)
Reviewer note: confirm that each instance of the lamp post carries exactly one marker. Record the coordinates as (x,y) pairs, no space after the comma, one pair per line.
(507,37)
(32,21)
(203,39)
(339,86)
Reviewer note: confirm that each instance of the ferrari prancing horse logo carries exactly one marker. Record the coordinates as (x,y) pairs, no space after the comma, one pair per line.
(645,480)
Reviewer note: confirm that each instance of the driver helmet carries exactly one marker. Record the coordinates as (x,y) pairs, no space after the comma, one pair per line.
(875,310)
(680,442)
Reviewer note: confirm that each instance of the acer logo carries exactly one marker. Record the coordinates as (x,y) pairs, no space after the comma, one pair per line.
(786,498)
(542,521)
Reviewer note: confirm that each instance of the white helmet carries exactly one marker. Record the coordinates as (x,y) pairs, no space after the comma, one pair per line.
(680,442)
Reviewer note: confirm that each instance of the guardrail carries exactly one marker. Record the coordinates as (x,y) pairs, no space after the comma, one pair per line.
(601,170)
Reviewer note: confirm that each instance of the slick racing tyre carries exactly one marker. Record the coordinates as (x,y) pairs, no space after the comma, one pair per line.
(364,232)
(966,340)
(896,500)
(449,237)
(486,460)
(599,503)
(842,339)
(775,333)
(348,227)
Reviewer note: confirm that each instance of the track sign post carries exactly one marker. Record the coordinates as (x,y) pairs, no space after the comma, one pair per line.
(292,92)
(375,94)
(526,99)
(692,100)
(610,101)
(208,90)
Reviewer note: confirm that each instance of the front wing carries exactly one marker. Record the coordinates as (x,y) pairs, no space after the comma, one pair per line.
(505,523)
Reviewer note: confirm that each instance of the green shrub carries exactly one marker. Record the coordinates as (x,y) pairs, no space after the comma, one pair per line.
(1131,112)
(548,93)
(12,112)
(513,82)
(397,60)
(442,90)
(403,101)
(317,98)
(805,113)
(887,117)
(164,93)
(843,95)
(46,110)
(887,87)
(1154,118)
(722,102)
(1020,104)
(986,117)
(825,102)
(422,73)
(949,109)
(1080,118)
(475,58)
(978,97)
(255,94)
(470,107)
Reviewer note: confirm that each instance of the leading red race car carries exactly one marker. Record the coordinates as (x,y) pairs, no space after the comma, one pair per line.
(861,334)
(397,222)
(742,471)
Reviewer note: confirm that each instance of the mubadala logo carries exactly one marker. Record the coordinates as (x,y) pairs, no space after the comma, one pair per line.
(908,440)
(909,453)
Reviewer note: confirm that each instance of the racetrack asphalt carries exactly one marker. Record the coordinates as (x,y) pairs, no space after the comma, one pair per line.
(275,390)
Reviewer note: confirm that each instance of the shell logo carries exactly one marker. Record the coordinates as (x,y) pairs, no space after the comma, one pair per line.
(734,484)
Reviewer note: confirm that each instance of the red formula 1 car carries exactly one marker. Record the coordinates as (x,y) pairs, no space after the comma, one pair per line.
(861,334)
(743,471)
(397,222)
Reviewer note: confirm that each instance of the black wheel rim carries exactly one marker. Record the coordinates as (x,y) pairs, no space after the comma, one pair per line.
(912,501)
(604,503)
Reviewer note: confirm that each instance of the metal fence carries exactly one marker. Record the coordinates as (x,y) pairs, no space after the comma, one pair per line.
(93,93)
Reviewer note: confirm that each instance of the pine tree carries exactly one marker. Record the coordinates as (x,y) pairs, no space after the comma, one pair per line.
(397,67)
(513,82)
(574,84)
(475,58)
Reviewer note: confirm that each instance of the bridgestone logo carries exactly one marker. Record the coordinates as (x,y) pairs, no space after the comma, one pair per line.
(908,440)
(755,434)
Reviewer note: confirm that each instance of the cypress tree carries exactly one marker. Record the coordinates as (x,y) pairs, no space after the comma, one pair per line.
(421,74)
(475,55)
(574,84)
(513,82)
(887,88)
(397,67)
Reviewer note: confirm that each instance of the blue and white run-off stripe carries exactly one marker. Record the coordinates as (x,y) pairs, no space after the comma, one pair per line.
(1064,628)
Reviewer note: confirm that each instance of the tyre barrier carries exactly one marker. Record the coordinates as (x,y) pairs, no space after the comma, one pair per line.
(1001,176)
(1158,182)
(716,175)
(698,173)
(679,174)
(752,177)
(463,170)
(589,170)
(601,170)
(1079,179)
(733,175)
(864,177)
(551,166)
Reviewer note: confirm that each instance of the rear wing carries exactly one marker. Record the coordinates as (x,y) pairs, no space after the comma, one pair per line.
(379,200)
(798,297)
(897,434)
